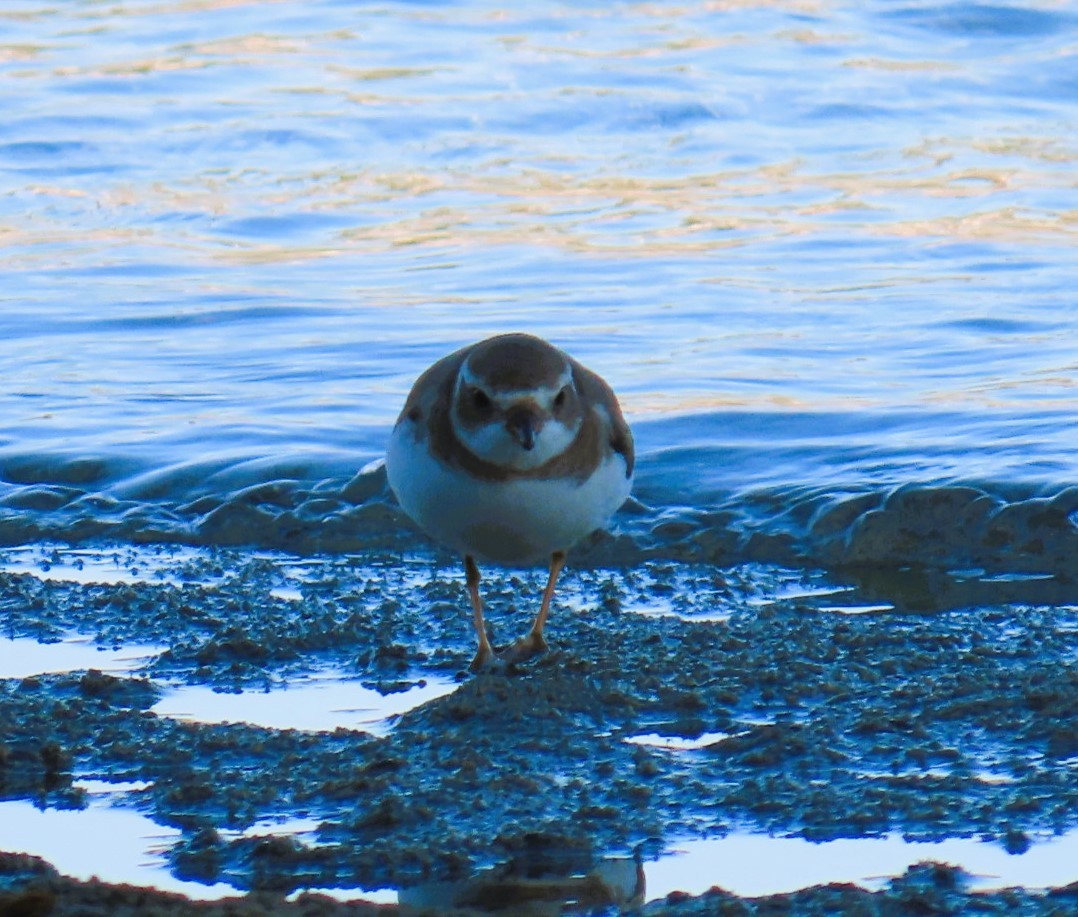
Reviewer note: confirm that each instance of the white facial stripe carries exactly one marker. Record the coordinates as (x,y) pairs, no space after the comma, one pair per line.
(544,395)
(465,377)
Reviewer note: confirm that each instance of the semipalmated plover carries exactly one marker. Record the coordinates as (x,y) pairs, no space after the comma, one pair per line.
(510,451)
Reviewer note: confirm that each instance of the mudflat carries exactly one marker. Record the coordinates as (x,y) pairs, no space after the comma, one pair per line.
(679,702)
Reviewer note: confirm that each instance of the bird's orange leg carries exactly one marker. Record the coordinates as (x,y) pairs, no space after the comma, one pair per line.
(484,654)
(535,643)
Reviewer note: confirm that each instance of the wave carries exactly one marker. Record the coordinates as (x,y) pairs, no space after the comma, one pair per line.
(313,503)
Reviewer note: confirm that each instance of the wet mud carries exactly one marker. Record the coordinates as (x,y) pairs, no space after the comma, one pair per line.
(853,704)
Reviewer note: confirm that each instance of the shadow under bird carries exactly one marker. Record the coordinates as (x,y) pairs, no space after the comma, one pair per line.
(510,452)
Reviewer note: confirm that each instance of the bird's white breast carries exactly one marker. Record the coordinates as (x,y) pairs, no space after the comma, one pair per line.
(519,521)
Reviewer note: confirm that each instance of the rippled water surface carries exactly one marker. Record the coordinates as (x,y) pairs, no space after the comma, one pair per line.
(838,238)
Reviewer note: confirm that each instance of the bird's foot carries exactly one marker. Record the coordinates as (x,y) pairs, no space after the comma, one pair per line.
(484,660)
(524,649)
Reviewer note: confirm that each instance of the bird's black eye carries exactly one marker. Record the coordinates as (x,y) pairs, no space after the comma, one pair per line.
(481,399)
(561,397)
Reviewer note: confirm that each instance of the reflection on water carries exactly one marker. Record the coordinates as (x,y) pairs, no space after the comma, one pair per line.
(133,854)
(136,846)
(324,701)
(678,743)
(749,206)
(515,889)
(94,566)
(733,863)
(857,609)
(328,701)
(24,657)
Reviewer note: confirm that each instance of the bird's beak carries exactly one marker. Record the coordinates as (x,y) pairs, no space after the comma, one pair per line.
(524,425)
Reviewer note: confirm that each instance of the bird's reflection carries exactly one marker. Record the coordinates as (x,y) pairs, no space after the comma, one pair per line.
(521,887)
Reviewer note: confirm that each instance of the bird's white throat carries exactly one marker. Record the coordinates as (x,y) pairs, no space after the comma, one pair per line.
(494,443)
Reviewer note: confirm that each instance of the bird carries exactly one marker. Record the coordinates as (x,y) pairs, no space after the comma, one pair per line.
(509,451)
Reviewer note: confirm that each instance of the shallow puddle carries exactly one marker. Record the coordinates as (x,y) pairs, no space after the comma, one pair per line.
(287,593)
(787,592)
(134,852)
(137,848)
(322,703)
(23,657)
(678,743)
(74,565)
(734,863)
(857,609)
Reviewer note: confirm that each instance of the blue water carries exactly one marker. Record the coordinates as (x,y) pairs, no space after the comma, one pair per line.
(824,253)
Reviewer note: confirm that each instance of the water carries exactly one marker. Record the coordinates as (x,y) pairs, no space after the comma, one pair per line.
(24,657)
(92,566)
(824,252)
(323,703)
(815,248)
(134,855)
(733,863)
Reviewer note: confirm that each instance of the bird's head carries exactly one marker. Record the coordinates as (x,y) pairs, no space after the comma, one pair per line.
(515,403)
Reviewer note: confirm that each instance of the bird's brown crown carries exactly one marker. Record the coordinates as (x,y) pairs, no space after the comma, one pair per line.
(514,362)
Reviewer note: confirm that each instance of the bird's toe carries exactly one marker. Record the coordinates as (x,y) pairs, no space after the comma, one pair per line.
(524,649)
(485,660)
